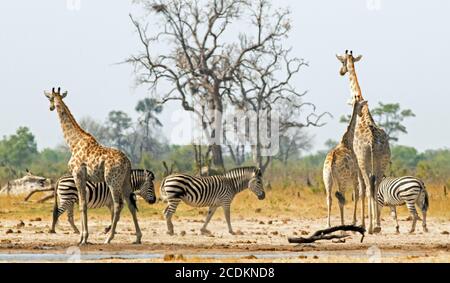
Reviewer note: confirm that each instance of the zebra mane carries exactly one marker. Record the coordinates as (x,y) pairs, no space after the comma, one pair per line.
(245,169)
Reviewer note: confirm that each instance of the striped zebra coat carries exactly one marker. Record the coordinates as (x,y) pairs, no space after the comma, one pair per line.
(404,190)
(97,195)
(212,192)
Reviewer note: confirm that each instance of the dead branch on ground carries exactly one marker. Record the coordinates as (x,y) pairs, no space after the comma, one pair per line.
(323,234)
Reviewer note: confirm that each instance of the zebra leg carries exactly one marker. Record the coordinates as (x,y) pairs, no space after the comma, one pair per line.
(422,202)
(70,219)
(57,212)
(226,210)
(424,221)
(211,212)
(394,216)
(412,209)
(132,209)
(168,212)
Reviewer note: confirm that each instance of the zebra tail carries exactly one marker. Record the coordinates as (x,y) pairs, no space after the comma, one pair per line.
(55,204)
(425,203)
(162,192)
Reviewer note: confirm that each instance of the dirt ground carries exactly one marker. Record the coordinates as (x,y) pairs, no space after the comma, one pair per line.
(258,239)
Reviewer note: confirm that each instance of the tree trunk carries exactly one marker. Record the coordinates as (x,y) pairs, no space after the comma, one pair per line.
(217,157)
(216,110)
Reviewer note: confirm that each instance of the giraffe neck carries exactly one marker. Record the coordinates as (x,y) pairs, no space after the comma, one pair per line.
(347,138)
(354,84)
(366,117)
(71,130)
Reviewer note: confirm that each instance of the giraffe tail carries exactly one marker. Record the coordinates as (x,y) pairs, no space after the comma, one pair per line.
(372,175)
(341,198)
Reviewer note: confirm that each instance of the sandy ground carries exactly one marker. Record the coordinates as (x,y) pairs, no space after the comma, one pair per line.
(259,239)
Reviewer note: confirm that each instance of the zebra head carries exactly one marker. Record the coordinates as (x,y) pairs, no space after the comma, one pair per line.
(147,189)
(255,184)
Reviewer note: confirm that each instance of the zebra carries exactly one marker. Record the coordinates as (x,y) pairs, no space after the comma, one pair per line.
(398,191)
(97,195)
(212,192)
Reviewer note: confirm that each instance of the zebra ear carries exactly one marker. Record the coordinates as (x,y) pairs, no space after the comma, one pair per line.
(258,172)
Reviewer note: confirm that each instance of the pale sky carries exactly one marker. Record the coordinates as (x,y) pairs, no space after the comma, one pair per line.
(405,46)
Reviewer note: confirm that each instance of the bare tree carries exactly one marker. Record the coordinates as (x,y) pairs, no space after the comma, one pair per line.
(292,143)
(264,82)
(200,66)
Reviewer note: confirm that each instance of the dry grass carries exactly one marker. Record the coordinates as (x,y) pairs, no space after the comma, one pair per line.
(288,202)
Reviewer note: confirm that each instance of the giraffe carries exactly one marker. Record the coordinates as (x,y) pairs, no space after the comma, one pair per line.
(340,169)
(370,145)
(92,161)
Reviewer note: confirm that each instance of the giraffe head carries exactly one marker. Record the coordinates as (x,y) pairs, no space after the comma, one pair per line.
(348,61)
(54,95)
(348,66)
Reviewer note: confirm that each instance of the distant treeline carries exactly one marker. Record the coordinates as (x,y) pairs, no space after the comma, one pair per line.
(19,152)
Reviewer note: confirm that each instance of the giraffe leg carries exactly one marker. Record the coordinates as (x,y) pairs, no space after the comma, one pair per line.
(355,199)
(111,210)
(117,207)
(369,201)
(71,221)
(329,203)
(226,210)
(362,194)
(394,216)
(341,210)
(169,211)
(376,207)
(211,212)
(328,181)
(80,177)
